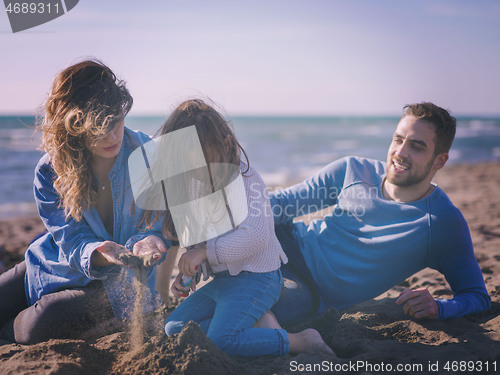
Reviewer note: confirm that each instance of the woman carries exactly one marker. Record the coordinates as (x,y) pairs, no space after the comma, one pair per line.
(70,280)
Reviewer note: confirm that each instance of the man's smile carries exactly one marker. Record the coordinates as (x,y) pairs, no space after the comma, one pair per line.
(399,166)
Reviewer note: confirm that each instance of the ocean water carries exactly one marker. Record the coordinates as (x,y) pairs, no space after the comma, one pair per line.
(282,149)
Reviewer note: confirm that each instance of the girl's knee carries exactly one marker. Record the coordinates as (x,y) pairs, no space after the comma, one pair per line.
(174,326)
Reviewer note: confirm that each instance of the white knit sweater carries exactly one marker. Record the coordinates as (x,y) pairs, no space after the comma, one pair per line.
(253,245)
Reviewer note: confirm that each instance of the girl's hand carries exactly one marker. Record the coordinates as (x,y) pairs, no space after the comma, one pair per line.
(150,245)
(191,260)
(106,254)
(177,289)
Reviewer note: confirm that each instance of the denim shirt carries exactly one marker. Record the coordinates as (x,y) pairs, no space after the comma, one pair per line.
(61,258)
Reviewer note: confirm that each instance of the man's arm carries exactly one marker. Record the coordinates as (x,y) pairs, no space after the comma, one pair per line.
(418,303)
(452,254)
(314,194)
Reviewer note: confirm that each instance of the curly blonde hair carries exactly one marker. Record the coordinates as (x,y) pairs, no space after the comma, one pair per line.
(84,104)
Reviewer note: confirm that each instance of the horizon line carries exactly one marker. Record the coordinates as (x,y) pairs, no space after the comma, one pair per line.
(280,115)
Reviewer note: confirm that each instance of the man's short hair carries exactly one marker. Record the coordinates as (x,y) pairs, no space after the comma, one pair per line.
(445,125)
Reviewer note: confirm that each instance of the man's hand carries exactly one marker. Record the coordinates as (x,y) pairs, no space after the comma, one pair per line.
(106,254)
(150,245)
(418,303)
(191,260)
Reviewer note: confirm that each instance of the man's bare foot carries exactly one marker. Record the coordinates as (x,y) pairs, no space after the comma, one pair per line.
(268,320)
(308,341)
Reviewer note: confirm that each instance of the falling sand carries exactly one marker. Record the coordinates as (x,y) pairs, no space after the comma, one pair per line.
(137,324)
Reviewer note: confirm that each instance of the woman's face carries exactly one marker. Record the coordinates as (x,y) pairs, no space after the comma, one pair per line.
(109,146)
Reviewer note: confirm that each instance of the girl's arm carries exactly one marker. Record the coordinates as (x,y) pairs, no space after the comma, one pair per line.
(252,235)
(164,274)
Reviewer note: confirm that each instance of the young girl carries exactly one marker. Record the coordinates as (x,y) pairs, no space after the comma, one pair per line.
(67,283)
(244,262)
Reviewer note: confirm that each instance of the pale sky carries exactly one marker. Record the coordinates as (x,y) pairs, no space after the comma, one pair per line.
(283,57)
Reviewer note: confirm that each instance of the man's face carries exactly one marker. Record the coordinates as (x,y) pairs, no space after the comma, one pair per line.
(410,159)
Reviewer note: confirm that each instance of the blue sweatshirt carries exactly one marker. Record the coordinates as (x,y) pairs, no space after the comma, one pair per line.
(368,244)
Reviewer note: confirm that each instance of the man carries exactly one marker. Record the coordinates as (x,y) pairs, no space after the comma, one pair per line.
(388,222)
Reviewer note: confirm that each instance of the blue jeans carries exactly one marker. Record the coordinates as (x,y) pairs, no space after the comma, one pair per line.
(227,308)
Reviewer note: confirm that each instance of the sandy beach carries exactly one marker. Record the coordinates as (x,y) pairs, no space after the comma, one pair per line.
(373,335)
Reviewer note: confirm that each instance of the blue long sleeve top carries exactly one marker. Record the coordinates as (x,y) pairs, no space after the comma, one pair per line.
(61,258)
(369,244)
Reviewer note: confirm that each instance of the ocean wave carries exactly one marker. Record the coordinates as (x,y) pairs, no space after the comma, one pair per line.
(283,149)
(14,210)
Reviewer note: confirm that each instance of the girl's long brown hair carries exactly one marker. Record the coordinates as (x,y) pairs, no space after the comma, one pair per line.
(214,133)
(84,103)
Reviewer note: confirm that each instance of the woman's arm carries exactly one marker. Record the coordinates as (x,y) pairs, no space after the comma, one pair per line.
(76,240)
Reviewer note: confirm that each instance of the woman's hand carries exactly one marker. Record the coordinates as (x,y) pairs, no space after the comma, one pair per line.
(107,253)
(191,260)
(151,245)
